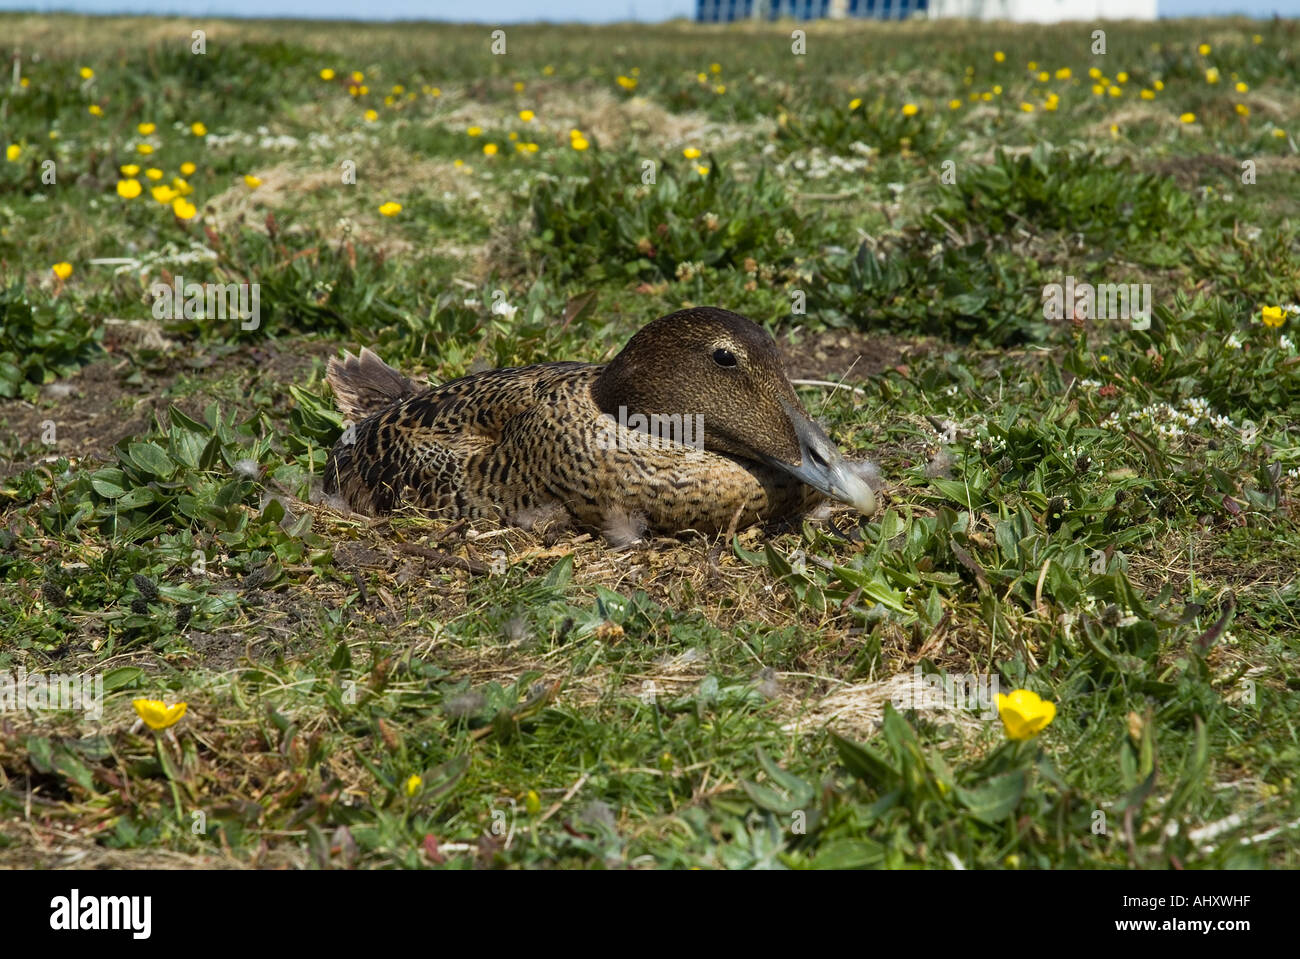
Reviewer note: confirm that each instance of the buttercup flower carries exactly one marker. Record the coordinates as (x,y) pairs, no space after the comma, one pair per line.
(855,103)
(390,208)
(183,208)
(146,128)
(163,193)
(1187,118)
(999,56)
(413,785)
(62,270)
(526,115)
(579,143)
(490,149)
(86,73)
(627,83)
(1273,316)
(252,181)
(327,74)
(96,110)
(198,129)
(157,714)
(153,173)
(128,189)
(129,169)
(910,109)
(13,152)
(144,149)
(1024,713)
(475,131)
(371,116)
(691,153)
(188,168)
(1203,49)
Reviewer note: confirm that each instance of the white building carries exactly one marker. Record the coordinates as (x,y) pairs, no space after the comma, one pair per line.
(1045,11)
(1025,11)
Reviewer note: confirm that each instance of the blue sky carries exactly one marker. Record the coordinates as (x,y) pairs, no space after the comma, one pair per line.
(513,11)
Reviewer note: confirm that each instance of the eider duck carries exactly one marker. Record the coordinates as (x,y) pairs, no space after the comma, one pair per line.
(588,440)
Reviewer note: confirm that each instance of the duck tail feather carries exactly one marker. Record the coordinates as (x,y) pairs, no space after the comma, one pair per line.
(366,384)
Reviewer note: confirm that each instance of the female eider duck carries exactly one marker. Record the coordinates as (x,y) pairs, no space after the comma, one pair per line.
(515,444)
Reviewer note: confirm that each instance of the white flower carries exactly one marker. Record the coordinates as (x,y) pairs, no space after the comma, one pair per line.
(1233,343)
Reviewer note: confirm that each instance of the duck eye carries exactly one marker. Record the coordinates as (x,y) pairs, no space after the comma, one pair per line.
(724,357)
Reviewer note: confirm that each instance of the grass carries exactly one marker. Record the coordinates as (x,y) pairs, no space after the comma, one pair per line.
(1102,515)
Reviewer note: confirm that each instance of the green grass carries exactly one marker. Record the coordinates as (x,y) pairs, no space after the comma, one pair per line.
(1102,515)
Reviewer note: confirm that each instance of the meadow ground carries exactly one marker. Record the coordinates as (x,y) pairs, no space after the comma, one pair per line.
(1102,514)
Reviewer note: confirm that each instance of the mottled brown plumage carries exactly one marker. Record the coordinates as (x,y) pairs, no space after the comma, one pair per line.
(513,444)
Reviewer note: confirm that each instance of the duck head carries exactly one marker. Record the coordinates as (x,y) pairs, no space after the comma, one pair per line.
(726,369)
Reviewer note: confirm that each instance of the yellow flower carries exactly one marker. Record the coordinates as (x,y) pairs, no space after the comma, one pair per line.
(519,86)
(144,149)
(692,153)
(1147,94)
(146,128)
(1024,713)
(25,82)
(702,77)
(1203,49)
(86,73)
(579,143)
(388,102)
(702,170)
(198,129)
(96,110)
(475,131)
(1094,72)
(1098,89)
(1256,39)
(398,89)
(1242,109)
(999,56)
(357,76)
(1242,87)
(720,89)
(327,74)
(163,193)
(526,115)
(1044,77)
(13,152)
(1273,316)
(184,208)
(533,802)
(1027,107)
(997,89)
(1115,91)
(252,181)
(1280,134)
(986,96)
(390,209)
(413,785)
(715,67)
(910,109)
(157,714)
(627,83)
(1159,85)
(1032,65)
(855,103)
(62,270)
(129,169)
(490,149)
(181,186)
(954,104)
(1187,118)
(128,189)
(153,173)
(188,168)
(1063,73)
(548,71)
(1212,75)
(371,116)
(1122,77)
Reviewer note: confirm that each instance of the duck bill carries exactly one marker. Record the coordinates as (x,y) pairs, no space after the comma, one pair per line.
(823,467)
